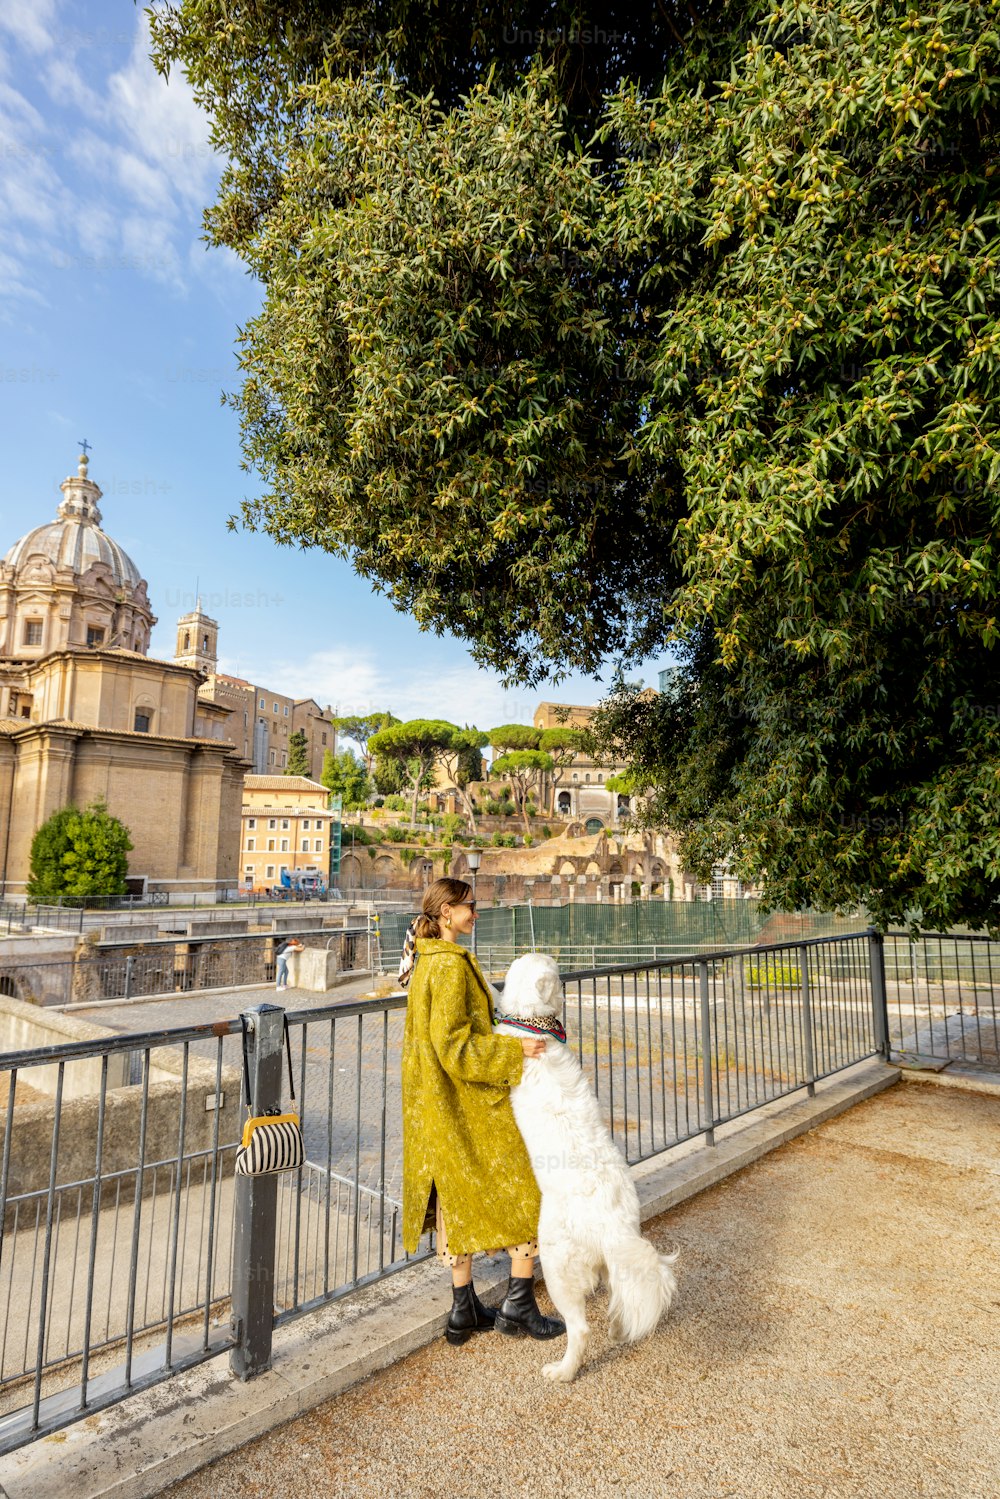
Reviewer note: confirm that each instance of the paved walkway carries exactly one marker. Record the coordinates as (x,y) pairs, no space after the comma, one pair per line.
(835,1338)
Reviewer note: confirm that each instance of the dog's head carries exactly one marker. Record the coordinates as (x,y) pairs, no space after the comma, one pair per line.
(532,987)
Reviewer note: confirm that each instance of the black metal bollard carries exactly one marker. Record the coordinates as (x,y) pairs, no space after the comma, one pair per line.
(256,1206)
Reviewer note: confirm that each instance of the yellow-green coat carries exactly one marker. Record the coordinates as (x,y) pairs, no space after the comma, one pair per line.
(458,1126)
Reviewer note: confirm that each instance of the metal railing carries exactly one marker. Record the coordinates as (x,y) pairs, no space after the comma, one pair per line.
(119,1211)
(129,970)
(152,1256)
(943,997)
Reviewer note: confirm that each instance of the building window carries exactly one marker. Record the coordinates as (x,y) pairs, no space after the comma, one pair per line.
(318,848)
(272,757)
(141,722)
(284,824)
(284,845)
(272,822)
(251,822)
(286,710)
(263,704)
(32,632)
(305,845)
(95,635)
(251,845)
(575,776)
(204,645)
(269,872)
(587,776)
(275,707)
(284,760)
(187,640)
(323,737)
(270,845)
(305,824)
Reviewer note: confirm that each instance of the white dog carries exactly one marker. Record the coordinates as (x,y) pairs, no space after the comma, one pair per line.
(589,1223)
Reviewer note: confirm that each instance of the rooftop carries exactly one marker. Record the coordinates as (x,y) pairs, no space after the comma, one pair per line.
(282,783)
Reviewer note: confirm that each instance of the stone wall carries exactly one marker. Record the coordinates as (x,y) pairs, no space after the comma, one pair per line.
(24,1026)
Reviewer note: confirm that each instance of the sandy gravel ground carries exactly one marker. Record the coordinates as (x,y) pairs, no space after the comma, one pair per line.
(836,1337)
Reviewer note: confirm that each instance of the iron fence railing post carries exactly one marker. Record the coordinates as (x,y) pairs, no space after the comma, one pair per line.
(708,1099)
(807,1021)
(256,1207)
(880,1002)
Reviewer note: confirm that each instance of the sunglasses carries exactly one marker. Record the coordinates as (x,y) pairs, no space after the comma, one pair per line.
(470,903)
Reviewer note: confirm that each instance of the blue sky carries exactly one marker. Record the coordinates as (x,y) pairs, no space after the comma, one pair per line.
(117,324)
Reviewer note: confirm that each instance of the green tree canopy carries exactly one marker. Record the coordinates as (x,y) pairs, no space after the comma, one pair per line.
(524,769)
(611,350)
(298,754)
(416,747)
(359,728)
(76,855)
(514,736)
(344,775)
(462,763)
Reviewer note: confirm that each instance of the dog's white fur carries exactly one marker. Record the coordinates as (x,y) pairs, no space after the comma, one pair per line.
(589,1223)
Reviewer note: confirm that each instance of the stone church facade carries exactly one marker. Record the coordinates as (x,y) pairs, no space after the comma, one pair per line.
(87,714)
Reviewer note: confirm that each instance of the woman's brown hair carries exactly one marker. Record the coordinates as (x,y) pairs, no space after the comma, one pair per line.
(441,893)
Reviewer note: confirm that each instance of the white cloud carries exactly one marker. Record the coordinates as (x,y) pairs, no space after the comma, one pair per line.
(31,22)
(354,681)
(164,124)
(119,167)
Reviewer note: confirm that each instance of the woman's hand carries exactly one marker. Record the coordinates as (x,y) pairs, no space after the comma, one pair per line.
(533,1046)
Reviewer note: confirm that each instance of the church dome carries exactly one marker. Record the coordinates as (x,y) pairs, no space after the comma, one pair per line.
(67,585)
(75,539)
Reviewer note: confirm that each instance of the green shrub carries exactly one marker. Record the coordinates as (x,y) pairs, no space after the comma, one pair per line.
(395,803)
(769,972)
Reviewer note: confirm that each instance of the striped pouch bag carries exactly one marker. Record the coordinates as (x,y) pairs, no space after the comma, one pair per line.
(272,1141)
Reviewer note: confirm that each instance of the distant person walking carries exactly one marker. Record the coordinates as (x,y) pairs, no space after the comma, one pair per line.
(466,1169)
(281,964)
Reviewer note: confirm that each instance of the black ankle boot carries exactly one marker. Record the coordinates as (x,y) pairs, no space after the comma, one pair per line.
(467,1315)
(519,1312)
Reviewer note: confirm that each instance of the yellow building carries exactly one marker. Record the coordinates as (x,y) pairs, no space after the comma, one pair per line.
(286,830)
(85,714)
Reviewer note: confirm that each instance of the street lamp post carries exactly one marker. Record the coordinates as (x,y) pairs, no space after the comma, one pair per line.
(473,858)
(529,886)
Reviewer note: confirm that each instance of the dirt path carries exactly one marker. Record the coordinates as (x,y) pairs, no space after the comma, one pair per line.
(836,1337)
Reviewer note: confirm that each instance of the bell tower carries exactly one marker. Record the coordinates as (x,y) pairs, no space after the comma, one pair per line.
(198,641)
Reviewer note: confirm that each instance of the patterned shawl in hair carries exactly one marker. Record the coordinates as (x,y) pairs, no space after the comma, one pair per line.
(409,957)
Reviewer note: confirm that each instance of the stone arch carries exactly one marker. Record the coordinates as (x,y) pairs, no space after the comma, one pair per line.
(567,869)
(350,872)
(593,867)
(564,803)
(593,825)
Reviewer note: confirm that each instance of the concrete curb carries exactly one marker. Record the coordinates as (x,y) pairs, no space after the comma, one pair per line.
(955,1077)
(135,1449)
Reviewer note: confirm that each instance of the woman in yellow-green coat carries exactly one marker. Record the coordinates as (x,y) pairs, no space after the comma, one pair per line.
(464,1160)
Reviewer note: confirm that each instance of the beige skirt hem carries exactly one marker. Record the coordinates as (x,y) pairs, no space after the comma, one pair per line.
(528,1249)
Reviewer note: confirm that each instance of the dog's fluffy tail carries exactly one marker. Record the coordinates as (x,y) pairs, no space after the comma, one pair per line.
(642,1288)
